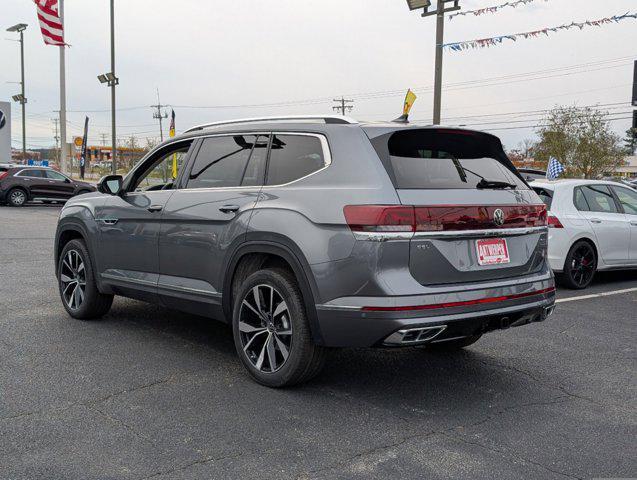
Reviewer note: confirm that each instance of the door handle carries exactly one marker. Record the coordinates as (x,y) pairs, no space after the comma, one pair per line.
(596,220)
(155,208)
(229,208)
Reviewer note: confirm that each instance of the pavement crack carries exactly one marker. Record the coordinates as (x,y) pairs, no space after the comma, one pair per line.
(508,453)
(121,423)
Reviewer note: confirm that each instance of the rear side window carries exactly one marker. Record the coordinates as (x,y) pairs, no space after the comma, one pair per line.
(580,201)
(599,198)
(228,161)
(293,157)
(546,195)
(31,173)
(628,199)
(443,159)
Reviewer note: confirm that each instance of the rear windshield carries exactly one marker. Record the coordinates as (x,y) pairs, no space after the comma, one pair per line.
(443,159)
(546,195)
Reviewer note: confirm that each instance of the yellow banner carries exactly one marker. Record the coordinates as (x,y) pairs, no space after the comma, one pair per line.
(410,99)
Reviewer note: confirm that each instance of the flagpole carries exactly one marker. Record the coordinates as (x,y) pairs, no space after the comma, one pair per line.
(63,159)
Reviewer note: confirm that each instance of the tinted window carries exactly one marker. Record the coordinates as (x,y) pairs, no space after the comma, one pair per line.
(580,201)
(546,196)
(53,175)
(31,173)
(447,159)
(628,199)
(226,162)
(599,198)
(293,157)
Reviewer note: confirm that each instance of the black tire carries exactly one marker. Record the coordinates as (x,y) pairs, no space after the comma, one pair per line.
(17,197)
(579,267)
(89,303)
(304,359)
(454,344)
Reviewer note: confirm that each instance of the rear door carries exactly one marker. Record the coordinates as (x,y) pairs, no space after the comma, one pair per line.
(59,185)
(628,201)
(35,180)
(611,226)
(207,215)
(477,220)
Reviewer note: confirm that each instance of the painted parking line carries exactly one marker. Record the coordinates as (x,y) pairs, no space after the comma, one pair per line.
(596,295)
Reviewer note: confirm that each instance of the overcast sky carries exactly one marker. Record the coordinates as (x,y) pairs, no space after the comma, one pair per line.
(243,53)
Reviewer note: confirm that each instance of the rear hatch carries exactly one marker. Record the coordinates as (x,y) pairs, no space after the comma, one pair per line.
(476,220)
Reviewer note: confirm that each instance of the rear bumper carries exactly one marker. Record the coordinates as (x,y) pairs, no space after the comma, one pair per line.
(351,326)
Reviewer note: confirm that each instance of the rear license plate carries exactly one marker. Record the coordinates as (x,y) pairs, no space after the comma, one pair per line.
(492,251)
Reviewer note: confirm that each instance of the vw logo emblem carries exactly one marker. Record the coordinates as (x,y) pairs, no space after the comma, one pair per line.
(3,119)
(498,217)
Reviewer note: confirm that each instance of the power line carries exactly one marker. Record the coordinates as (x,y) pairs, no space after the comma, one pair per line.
(342,105)
(159,115)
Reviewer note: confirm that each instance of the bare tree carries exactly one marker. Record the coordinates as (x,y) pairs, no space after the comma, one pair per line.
(526,147)
(581,139)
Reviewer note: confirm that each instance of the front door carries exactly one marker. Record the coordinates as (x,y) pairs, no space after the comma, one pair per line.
(59,185)
(608,222)
(129,224)
(206,216)
(628,201)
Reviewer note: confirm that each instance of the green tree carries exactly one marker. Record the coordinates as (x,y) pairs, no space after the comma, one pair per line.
(581,139)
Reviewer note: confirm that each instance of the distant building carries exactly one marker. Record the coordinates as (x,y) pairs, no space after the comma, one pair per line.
(630,167)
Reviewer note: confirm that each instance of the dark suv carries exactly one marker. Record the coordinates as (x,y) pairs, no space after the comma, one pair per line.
(307,233)
(18,185)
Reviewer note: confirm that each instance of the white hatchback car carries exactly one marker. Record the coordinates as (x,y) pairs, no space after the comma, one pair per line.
(592,226)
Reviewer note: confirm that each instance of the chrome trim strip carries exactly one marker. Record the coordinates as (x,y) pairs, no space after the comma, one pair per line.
(383,236)
(180,288)
(337,307)
(128,280)
(483,233)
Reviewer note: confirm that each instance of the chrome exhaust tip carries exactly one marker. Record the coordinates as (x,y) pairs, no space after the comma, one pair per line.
(548,311)
(414,336)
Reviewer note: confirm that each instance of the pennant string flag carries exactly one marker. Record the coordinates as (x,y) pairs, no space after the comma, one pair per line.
(494,41)
(493,9)
(50,22)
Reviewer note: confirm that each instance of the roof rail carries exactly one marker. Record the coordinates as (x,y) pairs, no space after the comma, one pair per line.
(339,119)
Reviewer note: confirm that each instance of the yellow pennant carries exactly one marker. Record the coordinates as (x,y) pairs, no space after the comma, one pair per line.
(410,99)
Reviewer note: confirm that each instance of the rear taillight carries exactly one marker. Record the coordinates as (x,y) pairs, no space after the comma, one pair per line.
(554,222)
(3,174)
(380,218)
(442,218)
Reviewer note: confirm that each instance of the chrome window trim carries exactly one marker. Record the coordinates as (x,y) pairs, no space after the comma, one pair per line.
(17,174)
(502,232)
(325,146)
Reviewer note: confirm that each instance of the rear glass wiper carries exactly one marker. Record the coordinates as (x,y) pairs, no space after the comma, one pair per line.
(494,184)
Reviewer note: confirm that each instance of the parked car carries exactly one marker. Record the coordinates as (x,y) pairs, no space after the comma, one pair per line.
(592,226)
(19,185)
(307,233)
(531,174)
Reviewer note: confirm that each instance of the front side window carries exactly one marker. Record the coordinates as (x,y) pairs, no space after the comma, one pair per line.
(161,173)
(293,157)
(229,161)
(31,173)
(628,199)
(53,175)
(599,199)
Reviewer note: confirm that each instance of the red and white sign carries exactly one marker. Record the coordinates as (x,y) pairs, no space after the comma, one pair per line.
(492,251)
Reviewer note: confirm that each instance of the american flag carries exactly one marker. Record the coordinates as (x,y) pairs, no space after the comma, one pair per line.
(50,22)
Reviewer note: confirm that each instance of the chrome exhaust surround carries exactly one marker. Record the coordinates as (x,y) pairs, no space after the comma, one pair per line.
(414,336)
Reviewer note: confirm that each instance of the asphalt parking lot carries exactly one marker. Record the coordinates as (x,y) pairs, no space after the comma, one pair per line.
(152,393)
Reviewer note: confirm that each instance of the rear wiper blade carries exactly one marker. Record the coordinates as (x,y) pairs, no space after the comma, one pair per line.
(495,184)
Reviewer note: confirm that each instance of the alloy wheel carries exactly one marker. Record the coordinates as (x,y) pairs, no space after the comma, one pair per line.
(73,279)
(583,265)
(265,328)
(18,197)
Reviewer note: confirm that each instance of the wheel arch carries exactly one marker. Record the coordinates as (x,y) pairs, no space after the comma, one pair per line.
(263,250)
(67,232)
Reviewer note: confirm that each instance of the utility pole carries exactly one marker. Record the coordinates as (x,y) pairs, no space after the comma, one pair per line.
(57,138)
(103,135)
(159,115)
(113,85)
(21,98)
(342,105)
(440,29)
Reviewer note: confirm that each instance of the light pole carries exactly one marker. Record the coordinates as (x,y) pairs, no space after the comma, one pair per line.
(22,99)
(440,28)
(112,81)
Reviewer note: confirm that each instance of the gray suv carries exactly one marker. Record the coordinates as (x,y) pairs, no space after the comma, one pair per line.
(305,233)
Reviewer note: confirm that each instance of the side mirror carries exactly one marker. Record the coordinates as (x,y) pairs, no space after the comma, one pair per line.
(110,184)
